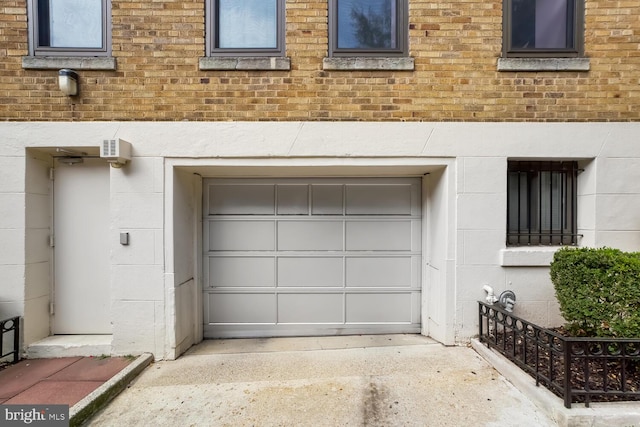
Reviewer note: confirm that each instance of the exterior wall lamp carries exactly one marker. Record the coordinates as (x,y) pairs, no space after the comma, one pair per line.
(68,82)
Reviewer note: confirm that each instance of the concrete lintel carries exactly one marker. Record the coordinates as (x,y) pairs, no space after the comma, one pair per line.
(75,62)
(368,63)
(543,64)
(267,63)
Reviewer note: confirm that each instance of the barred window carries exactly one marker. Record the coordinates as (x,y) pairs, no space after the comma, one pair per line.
(541,203)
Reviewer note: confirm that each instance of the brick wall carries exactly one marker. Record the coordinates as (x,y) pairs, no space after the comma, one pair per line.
(455,44)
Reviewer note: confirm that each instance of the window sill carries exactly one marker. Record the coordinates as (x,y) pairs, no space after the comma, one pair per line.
(543,64)
(265,63)
(530,256)
(75,62)
(368,63)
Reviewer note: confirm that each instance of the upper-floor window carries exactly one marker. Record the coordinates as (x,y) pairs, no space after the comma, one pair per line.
(367,27)
(70,27)
(245,27)
(541,203)
(543,28)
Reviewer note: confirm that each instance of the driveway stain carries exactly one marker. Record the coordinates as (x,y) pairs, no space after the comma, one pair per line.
(376,405)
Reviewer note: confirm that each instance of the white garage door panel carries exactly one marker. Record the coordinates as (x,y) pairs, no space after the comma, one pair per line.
(365,308)
(254,199)
(311,256)
(326,199)
(379,272)
(241,235)
(241,272)
(379,235)
(293,199)
(310,272)
(310,308)
(378,199)
(241,308)
(310,235)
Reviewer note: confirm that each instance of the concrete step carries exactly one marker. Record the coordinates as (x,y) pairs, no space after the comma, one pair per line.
(70,346)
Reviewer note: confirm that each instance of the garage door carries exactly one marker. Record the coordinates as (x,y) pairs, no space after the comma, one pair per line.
(287,257)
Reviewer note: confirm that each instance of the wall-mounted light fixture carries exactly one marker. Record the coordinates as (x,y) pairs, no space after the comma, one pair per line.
(68,82)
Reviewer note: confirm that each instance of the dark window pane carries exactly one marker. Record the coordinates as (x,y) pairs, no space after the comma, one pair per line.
(551,203)
(542,24)
(247,24)
(367,24)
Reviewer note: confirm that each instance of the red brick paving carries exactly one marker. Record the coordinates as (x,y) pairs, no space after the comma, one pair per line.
(63,381)
(55,393)
(17,378)
(92,369)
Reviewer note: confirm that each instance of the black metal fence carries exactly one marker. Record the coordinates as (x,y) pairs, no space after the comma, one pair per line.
(10,333)
(576,369)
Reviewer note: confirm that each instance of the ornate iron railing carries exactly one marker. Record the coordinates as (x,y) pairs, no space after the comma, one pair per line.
(576,369)
(7,327)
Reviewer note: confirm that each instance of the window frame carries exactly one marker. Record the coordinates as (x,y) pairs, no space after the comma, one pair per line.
(35,29)
(532,233)
(211,35)
(402,34)
(577,22)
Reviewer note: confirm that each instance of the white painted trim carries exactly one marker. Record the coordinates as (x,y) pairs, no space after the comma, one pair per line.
(170,317)
(197,297)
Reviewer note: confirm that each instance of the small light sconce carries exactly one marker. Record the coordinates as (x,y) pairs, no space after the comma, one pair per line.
(68,82)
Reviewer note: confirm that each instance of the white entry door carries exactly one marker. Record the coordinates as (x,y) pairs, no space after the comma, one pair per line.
(311,256)
(81,249)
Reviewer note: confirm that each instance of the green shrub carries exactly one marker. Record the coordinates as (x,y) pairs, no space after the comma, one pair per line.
(598,291)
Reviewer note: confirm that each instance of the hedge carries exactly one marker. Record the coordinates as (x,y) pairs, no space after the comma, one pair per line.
(598,291)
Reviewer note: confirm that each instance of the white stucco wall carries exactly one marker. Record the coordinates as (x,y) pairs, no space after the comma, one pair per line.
(155,280)
(137,271)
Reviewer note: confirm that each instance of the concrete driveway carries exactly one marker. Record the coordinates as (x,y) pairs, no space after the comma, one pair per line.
(382,380)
